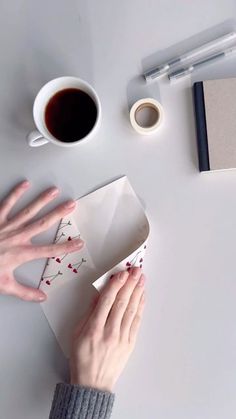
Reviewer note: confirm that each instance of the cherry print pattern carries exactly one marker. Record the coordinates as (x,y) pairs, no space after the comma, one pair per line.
(58,238)
(51,278)
(59,260)
(130,264)
(74,237)
(76,266)
(63,225)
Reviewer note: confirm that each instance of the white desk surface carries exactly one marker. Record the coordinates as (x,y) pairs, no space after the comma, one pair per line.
(184,366)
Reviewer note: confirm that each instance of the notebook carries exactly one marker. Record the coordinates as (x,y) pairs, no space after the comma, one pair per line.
(215,110)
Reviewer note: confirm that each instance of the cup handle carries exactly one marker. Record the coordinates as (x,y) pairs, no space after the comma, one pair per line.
(35,139)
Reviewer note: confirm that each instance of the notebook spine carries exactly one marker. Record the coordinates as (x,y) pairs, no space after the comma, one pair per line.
(200,116)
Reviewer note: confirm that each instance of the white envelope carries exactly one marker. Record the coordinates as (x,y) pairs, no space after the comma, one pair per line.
(115,229)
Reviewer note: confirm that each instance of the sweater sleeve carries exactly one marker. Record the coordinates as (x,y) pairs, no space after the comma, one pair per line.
(75,402)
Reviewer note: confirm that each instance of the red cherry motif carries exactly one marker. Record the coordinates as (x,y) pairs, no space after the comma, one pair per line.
(128,264)
(111,276)
(141,260)
(69,238)
(48,282)
(70,266)
(128,269)
(58,260)
(75,271)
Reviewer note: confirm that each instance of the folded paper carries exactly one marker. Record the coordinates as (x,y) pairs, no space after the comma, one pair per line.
(115,229)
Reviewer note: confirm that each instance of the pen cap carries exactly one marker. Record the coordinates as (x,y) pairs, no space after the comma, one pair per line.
(154,73)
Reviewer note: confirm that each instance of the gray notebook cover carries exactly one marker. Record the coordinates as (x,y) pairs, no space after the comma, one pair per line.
(220,108)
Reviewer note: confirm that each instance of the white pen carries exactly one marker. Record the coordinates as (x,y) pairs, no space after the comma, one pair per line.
(182,72)
(209,47)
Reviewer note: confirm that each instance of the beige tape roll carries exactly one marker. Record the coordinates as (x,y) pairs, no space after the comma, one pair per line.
(146,116)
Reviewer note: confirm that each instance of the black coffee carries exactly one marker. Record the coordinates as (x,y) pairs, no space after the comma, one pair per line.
(70,115)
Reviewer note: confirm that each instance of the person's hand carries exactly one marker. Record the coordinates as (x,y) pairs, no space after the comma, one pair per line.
(105,338)
(16,234)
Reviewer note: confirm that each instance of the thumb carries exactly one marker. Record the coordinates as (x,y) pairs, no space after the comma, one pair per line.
(26,293)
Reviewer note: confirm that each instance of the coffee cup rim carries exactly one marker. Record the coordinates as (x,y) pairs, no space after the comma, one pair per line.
(65,82)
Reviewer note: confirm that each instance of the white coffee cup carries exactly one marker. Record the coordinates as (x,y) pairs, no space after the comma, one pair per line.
(42,136)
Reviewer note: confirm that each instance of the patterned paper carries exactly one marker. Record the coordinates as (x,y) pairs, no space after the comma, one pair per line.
(115,229)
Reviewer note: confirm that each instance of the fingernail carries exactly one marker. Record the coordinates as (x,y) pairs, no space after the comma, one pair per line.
(135,272)
(42,297)
(69,204)
(122,276)
(77,242)
(53,191)
(25,184)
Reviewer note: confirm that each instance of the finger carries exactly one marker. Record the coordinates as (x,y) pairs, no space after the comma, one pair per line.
(51,250)
(132,308)
(48,220)
(137,321)
(8,203)
(31,210)
(122,300)
(25,293)
(99,317)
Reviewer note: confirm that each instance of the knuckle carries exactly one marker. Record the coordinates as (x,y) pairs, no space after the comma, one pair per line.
(26,212)
(105,300)
(120,303)
(112,336)
(18,238)
(92,331)
(42,222)
(131,311)
(138,319)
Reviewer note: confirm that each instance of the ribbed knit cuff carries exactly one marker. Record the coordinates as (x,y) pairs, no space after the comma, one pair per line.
(75,402)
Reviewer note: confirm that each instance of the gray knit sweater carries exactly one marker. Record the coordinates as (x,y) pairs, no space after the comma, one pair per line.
(75,402)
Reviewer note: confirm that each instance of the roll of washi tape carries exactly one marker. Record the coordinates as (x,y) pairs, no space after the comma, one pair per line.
(146,116)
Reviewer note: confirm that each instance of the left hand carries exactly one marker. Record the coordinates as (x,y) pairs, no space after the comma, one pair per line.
(16,234)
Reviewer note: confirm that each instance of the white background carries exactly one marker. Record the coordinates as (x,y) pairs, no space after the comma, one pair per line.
(184,366)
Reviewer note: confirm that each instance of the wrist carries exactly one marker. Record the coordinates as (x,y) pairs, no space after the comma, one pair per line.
(83,380)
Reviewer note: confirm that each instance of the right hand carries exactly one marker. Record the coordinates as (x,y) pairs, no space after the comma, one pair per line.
(105,338)
(15,238)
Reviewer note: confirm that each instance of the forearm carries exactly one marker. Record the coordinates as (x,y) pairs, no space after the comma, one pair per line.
(75,402)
